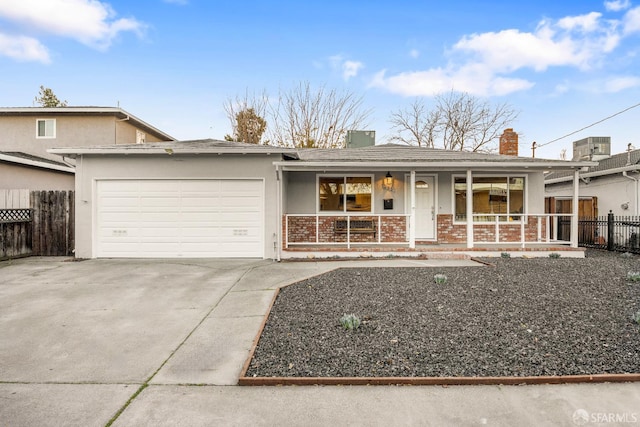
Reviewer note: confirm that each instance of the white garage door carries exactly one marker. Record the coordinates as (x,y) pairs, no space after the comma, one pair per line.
(180,218)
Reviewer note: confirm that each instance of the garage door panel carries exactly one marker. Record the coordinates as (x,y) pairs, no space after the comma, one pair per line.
(180,218)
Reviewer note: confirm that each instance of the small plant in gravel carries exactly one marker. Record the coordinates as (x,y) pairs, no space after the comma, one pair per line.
(633,276)
(440,279)
(554,255)
(505,255)
(636,317)
(350,322)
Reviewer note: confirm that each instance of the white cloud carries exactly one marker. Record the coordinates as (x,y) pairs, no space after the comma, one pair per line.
(474,79)
(350,69)
(347,68)
(23,48)
(631,21)
(414,53)
(484,61)
(618,84)
(90,22)
(617,5)
(178,2)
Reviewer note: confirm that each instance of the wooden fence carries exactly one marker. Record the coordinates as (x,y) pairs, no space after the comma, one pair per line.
(47,229)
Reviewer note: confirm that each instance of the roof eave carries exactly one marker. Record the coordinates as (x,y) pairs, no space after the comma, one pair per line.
(37,164)
(594,174)
(73,152)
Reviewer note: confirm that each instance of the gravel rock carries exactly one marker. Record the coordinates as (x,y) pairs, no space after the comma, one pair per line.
(521,317)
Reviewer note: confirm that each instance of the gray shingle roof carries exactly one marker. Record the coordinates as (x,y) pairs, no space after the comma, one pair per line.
(373,156)
(407,153)
(196,146)
(614,162)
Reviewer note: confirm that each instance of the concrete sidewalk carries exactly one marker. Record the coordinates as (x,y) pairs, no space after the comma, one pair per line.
(78,340)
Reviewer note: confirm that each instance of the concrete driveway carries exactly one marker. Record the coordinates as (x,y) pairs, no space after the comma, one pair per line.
(162,342)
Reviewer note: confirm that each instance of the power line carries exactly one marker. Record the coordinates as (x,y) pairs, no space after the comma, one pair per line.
(591,125)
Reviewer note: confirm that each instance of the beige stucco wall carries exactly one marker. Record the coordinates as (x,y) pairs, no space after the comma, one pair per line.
(19,133)
(16,176)
(125,133)
(92,168)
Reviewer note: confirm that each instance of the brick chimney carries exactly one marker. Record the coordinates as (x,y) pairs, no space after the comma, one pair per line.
(509,142)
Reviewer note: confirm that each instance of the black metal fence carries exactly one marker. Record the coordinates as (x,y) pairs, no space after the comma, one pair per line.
(612,233)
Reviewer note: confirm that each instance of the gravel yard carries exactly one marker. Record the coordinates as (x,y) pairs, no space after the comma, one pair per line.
(523,317)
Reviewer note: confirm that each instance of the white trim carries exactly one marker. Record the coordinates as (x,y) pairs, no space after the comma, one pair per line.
(344,176)
(36,163)
(55,126)
(469,200)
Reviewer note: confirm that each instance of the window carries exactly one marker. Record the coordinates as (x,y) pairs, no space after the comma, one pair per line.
(140,137)
(502,195)
(46,128)
(345,193)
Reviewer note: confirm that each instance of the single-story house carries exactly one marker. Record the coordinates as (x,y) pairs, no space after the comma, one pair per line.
(211,198)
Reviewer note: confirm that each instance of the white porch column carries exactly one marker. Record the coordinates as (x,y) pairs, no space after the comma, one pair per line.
(575,206)
(279,213)
(469,209)
(412,213)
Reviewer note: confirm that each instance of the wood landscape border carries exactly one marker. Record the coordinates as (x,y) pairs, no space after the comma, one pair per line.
(244,380)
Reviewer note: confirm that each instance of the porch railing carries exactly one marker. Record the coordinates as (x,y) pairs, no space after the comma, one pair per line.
(393,229)
(322,230)
(533,228)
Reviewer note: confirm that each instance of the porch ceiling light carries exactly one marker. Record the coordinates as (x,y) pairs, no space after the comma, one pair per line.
(388,181)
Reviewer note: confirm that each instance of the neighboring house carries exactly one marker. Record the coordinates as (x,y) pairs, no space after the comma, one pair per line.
(611,185)
(222,199)
(23,171)
(27,133)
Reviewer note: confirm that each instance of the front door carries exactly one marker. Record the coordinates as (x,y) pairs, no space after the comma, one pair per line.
(425,207)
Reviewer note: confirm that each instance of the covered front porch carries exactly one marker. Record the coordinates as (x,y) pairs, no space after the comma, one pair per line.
(459,204)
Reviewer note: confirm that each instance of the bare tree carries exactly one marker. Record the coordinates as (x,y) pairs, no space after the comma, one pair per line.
(247,117)
(46,98)
(319,118)
(470,124)
(415,125)
(458,121)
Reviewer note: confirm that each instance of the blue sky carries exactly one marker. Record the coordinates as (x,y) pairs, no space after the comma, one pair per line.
(562,64)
